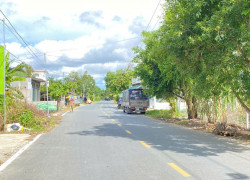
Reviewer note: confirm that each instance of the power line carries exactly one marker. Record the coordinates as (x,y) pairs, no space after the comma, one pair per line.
(153,14)
(147,25)
(32,56)
(31,51)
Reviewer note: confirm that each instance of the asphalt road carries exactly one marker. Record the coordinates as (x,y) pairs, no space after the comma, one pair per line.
(100,142)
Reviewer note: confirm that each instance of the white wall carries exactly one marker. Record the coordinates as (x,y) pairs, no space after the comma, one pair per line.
(158,104)
(155,103)
(40,74)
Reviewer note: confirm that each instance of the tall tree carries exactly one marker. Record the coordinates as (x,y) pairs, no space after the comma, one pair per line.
(118,81)
(88,84)
(57,89)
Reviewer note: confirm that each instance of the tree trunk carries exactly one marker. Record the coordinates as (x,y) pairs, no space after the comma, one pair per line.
(57,104)
(191,108)
(241,101)
(195,108)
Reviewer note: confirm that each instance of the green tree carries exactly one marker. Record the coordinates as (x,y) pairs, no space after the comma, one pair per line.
(11,75)
(73,83)
(28,70)
(118,81)
(160,75)
(208,41)
(56,90)
(88,85)
(200,52)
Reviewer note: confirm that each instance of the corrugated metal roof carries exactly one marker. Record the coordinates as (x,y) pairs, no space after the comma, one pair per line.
(136,87)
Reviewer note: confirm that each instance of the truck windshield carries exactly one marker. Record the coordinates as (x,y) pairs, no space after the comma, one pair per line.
(137,94)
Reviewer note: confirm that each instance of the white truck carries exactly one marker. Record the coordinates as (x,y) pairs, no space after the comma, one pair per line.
(134,100)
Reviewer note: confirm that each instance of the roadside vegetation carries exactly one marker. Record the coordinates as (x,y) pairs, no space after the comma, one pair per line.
(118,81)
(29,116)
(165,114)
(200,55)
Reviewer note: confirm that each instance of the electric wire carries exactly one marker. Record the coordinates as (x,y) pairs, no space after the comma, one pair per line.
(27,46)
(131,51)
(35,62)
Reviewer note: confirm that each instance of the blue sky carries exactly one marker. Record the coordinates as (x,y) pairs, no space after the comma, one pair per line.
(78,35)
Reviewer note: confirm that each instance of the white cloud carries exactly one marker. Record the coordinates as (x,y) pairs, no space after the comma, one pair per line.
(78,35)
(74,49)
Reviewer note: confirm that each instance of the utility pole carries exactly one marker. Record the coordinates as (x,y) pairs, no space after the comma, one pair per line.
(4,81)
(47,85)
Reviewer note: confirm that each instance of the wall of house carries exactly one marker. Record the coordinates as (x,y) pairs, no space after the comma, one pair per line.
(40,74)
(25,87)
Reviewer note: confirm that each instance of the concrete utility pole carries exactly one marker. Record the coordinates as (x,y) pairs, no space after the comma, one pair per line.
(4,82)
(47,85)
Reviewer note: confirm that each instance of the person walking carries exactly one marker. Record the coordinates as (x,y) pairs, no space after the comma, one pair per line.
(71,103)
(119,103)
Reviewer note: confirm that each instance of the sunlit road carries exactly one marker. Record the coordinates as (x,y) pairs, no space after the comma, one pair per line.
(100,142)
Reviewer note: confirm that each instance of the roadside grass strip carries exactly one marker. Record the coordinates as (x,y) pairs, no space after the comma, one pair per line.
(179,170)
(145,144)
(127,131)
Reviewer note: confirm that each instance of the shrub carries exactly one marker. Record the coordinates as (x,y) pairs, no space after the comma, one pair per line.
(160,113)
(27,115)
(166,114)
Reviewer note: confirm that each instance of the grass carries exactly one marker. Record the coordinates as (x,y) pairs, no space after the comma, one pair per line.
(183,122)
(166,114)
(29,116)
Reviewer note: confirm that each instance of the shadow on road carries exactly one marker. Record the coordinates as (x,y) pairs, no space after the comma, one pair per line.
(164,136)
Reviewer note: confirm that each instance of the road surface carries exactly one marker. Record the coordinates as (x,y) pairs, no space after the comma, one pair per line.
(100,142)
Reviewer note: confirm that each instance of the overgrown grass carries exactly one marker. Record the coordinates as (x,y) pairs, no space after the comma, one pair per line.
(166,114)
(28,116)
(183,122)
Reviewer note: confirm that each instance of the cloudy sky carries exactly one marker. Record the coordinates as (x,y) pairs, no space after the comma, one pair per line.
(77,35)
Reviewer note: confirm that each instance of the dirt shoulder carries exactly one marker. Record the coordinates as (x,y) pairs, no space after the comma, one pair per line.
(11,143)
(231,130)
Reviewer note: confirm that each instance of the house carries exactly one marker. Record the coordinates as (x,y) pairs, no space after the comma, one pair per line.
(40,74)
(29,88)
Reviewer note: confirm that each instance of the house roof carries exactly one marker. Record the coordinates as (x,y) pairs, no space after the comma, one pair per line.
(38,79)
(136,87)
